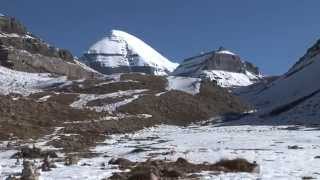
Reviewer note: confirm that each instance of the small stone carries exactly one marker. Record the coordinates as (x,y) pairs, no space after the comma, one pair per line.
(71,160)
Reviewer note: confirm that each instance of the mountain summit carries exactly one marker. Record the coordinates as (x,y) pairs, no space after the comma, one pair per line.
(122,52)
(222,66)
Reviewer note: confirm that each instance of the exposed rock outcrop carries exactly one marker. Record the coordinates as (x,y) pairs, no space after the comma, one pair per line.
(12,25)
(22,60)
(20,50)
(180,169)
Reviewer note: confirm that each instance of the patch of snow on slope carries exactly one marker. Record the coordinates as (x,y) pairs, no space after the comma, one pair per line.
(230,79)
(24,83)
(14,35)
(85,98)
(186,84)
(225,52)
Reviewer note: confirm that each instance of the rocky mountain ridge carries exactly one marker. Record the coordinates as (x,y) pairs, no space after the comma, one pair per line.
(222,66)
(20,50)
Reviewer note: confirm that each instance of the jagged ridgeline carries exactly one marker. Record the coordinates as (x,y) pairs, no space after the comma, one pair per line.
(23,51)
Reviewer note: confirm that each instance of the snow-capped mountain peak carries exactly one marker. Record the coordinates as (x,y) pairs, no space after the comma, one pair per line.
(147,53)
(123,52)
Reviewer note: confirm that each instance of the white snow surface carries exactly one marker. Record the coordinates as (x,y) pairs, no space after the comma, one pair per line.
(24,83)
(267,145)
(148,54)
(120,44)
(230,79)
(186,84)
(226,52)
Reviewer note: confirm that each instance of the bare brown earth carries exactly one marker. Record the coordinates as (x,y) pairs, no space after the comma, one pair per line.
(25,118)
(180,108)
(31,117)
(39,115)
(127,82)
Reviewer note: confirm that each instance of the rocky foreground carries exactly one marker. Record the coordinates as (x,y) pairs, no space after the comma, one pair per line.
(54,109)
(81,113)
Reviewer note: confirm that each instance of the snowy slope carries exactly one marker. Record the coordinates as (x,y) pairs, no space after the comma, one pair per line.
(25,83)
(294,96)
(148,55)
(123,49)
(230,79)
(288,89)
(188,85)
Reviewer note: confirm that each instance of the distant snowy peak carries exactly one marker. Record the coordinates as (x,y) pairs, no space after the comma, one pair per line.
(123,52)
(223,66)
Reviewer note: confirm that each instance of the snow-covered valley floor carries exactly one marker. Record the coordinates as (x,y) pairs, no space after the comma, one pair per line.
(281,152)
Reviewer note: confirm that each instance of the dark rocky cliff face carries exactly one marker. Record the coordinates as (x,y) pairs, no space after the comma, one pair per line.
(12,25)
(26,41)
(20,50)
(36,46)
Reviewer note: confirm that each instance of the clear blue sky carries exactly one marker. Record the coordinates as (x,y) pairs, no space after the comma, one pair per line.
(273,34)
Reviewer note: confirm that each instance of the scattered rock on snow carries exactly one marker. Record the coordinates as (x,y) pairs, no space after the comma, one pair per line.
(33,153)
(158,169)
